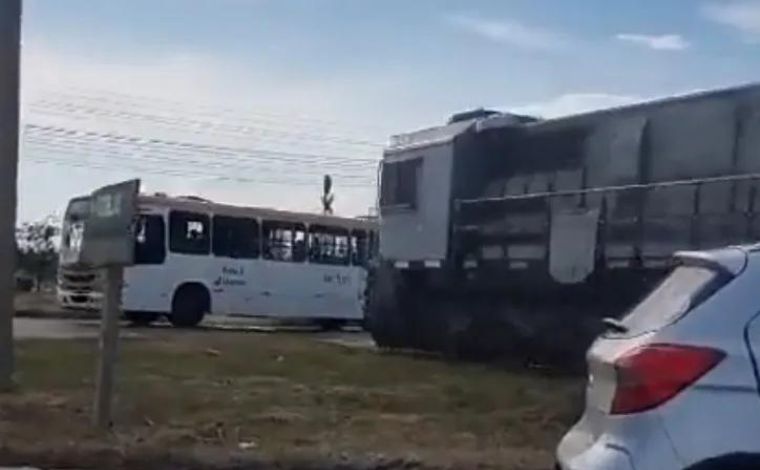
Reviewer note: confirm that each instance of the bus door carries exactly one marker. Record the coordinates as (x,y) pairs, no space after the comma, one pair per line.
(145,287)
(191,258)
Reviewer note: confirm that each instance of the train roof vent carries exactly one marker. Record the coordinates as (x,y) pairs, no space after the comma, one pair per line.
(504,120)
(479,113)
(195,198)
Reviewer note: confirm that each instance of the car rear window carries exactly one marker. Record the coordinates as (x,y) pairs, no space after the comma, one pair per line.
(683,290)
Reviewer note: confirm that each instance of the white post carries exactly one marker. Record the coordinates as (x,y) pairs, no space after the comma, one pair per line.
(109,338)
(10,50)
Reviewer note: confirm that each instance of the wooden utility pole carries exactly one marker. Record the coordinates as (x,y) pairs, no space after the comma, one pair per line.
(10,58)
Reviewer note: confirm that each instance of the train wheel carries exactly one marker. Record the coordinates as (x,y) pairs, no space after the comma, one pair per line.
(385,318)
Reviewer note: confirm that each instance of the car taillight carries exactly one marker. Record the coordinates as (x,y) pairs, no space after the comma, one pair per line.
(651,375)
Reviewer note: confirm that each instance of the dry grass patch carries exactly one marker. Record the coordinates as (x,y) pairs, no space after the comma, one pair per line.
(280,396)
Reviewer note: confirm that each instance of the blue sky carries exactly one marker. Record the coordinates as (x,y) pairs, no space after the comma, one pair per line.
(370,68)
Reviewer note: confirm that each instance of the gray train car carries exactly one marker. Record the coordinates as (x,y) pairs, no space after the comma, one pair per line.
(505,235)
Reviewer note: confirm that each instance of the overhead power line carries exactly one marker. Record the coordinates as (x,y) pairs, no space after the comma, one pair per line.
(199,156)
(196,126)
(188,160)
(290,123)
(122,99)
(188,156)
(113,163)
(125,139)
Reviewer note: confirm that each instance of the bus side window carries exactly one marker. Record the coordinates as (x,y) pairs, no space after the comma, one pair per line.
(150,240)
(359,248)
(189,233)
(284,241)
(328,245)
(235,237)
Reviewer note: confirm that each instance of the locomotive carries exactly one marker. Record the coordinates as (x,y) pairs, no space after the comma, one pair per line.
(511,236)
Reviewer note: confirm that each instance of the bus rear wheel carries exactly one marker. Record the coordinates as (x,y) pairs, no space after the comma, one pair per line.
(140,318)
(190,304)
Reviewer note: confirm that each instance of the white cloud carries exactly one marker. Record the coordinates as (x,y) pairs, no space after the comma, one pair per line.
(742,15)
(338,105)
(509,31)
(665,42)
(573,103)
(195,79)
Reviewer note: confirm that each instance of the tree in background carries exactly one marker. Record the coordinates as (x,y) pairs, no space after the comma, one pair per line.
(37,249)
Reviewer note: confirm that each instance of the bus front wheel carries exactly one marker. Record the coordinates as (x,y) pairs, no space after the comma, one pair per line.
(190,304)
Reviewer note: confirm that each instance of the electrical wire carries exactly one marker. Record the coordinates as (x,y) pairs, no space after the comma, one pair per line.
(125,139)
(195,126)
(159,158)
(74,105)
(119,164)
(122,100)
(188,157)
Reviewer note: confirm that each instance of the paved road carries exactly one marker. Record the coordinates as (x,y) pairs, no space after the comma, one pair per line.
(38,328)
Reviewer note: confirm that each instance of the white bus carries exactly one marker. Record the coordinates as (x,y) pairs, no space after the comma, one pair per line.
(194,257)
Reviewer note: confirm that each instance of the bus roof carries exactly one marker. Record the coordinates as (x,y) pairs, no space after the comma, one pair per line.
(201,205)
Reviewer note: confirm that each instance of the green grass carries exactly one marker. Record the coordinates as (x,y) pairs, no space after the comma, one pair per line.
(289,395)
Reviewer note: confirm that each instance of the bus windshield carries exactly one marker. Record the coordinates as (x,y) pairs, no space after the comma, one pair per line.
(72,230)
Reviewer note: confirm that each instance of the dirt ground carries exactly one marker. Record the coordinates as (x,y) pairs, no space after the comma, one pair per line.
(242,400)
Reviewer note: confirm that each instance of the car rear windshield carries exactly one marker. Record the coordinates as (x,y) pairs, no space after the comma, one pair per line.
(683,290)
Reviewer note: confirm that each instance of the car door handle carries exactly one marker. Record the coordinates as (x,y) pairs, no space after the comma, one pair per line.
(266,293)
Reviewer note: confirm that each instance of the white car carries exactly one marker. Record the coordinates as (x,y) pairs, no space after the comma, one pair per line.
(675,384)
